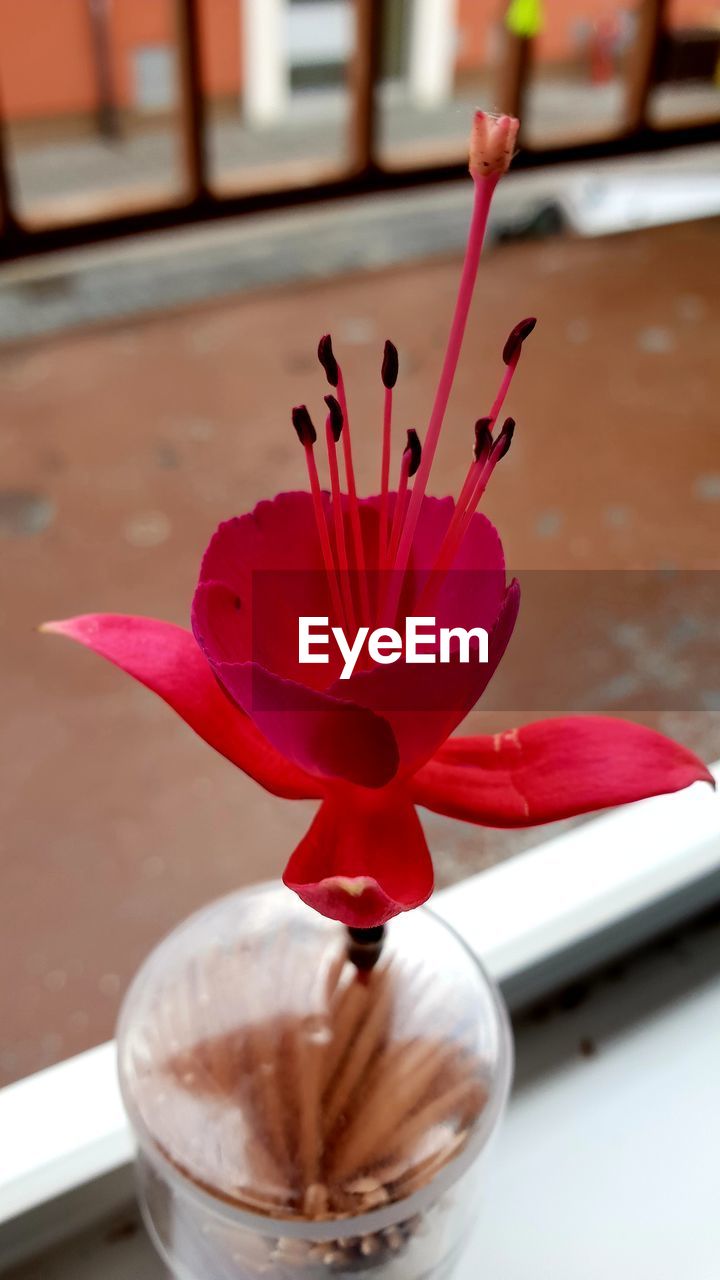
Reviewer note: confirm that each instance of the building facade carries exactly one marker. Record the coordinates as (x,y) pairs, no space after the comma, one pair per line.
(72,60)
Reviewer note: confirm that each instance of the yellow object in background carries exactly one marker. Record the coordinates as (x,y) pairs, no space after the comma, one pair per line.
(525,18)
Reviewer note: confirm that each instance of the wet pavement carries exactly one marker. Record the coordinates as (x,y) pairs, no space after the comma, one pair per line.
(122,446)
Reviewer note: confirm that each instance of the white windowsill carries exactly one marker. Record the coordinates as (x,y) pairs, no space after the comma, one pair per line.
(536,921)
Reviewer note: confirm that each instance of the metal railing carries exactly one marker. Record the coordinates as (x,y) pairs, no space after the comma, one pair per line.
(364,169)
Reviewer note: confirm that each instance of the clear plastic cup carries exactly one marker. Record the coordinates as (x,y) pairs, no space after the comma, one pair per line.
(299,1116)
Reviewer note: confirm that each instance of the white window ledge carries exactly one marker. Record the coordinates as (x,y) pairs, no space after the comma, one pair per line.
(537,921)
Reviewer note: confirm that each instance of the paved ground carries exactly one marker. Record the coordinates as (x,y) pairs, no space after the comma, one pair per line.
(124,444)
(52,175)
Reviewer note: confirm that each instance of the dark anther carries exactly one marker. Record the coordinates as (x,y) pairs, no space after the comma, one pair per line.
(504,440)
(516,338)
(414,448)
(327,359)
(364,947)
(336,417)
(483,438)
(390,365)
(302,423)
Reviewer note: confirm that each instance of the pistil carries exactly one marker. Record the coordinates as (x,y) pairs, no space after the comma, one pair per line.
(492,144)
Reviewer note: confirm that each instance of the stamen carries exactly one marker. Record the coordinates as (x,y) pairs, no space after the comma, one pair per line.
(327,359)
(503,442)
(414,448)
(307,436)
(335,417)
(516,337)
(483,438)
(390,369)
(450,547)
(492,144)
(333,431)
(481,453)
(303,424)
(511,356)
(481,449)
(412,455)
(480,473)
(390,365)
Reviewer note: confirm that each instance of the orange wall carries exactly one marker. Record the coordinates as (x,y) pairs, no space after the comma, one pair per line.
(222,50)
(134,23)
(46,60)
(46,53)
(45,57)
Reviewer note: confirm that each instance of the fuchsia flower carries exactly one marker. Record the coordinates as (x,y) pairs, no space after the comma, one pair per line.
(372,747)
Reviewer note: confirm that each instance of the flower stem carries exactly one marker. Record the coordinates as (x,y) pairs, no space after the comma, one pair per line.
(365,946)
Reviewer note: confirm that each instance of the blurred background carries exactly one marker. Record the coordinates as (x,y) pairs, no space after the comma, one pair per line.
(192,192)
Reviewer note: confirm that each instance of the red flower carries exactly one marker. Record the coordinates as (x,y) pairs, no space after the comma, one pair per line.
(371,747)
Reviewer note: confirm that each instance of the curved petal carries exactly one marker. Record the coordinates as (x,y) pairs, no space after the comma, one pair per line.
(166,659)
(553,769)
(260,572)
(263,571)
(364,859)
(422,704)
(322,734)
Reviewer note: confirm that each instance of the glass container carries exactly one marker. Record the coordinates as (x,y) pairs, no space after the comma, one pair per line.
(306,1103)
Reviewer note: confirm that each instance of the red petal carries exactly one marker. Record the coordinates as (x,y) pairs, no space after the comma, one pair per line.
(166,659)
(553,769)
(260,572)
(364,859)
(423,705)
(320,733)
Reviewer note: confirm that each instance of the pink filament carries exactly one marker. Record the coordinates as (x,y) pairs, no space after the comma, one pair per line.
(451,544)
(504,387)
(385,475)
(468,501)
(355,526)
(339,523)
(475,470)
(455,535)
(322,529)
(484,188)
(400,506)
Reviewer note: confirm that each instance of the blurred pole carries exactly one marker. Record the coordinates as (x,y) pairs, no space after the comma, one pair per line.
(8,223)
(514,74)
(107,114)
(642,62)
(192,102)
(266,73)
(523,22)
(364,75)
(431,63)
